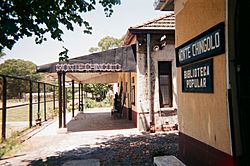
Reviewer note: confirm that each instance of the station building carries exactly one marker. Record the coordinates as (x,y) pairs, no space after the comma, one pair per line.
(212,81)
(151,91)
(143,68)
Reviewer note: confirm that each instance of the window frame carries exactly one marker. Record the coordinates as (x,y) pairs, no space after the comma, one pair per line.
(133,94)
(165,68)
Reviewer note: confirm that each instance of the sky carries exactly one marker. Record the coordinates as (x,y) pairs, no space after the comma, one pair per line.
(129,13)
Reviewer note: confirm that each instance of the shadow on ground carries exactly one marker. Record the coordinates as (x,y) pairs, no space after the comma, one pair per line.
(119,150)
(90,121)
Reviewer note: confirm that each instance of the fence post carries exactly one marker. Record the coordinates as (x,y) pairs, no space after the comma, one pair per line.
(54,97)
(73,98)
(44,100)
(30,106)
(4,101)
(82,98)
(38,100)
(60,98)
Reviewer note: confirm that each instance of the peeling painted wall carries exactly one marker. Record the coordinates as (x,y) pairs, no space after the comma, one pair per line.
(165,54)
(204,116)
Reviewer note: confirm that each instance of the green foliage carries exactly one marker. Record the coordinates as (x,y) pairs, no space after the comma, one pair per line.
(69,108)
(106,43)
(90,103)
(63,56)
(9,144)
(27,18)
(94,49)
(19,68)
(98,91)
(107,102)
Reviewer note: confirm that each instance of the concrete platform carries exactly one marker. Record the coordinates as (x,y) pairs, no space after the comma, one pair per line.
(88,162)
(167,161)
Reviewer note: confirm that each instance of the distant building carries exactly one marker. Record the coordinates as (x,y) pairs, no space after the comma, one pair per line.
(149,99)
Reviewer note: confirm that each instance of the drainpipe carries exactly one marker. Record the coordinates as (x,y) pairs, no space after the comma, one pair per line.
(151,111)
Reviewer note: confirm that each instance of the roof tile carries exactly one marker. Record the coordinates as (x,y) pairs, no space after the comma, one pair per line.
(166,22)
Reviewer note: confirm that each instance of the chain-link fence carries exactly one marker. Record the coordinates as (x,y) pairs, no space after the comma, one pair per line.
(25,103)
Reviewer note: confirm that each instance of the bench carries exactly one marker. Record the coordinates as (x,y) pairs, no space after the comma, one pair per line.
(167,161)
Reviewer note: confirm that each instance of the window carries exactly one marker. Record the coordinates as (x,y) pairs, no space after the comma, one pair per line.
(133,95)
(165,83)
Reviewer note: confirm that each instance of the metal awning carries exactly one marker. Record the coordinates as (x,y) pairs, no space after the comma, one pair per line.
(93,77)
(122,59)
(100,67)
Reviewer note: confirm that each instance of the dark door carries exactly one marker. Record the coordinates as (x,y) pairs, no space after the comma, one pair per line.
(165,83)
(239,68)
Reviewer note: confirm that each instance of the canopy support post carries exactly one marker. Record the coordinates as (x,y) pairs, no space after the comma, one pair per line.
(60,98)
(73,98)
(64,100)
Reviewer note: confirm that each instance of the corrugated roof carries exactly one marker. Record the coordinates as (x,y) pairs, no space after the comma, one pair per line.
(166,22)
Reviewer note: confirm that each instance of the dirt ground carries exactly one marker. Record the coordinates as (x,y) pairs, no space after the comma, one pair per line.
(93,135)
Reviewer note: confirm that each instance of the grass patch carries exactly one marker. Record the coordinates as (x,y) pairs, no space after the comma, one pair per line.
(8,145)
(91,103)
(17,119)
(22,113)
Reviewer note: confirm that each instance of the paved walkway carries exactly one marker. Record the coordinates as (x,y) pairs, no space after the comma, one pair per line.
(93,136)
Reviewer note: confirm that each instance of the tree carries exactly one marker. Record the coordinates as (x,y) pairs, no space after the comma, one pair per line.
(19,68)
(93,49)
(20,18)
(98,91)
(106,43)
